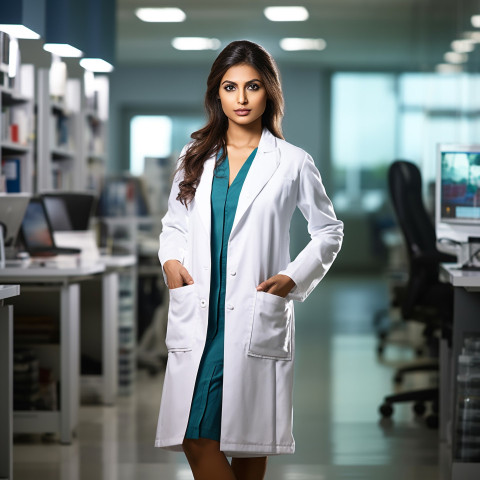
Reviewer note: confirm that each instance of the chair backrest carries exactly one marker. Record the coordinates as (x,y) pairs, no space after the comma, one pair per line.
(405,185)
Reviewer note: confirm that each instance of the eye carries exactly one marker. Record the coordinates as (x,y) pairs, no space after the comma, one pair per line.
(254,86)
(229,88)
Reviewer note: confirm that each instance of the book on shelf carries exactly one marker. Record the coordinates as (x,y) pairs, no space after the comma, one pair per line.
(11,170)
(14,125)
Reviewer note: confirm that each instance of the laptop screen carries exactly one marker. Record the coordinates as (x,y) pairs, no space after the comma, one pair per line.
(35,229)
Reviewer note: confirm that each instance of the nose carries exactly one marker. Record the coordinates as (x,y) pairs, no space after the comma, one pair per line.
(242,97)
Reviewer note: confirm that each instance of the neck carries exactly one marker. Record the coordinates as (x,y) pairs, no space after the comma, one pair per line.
(244,135)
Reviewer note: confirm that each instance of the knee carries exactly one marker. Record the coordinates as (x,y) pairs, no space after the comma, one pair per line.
(195,449)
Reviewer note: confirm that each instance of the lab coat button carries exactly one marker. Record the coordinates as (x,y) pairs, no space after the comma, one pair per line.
(203,302)
(230,306)
(233,273)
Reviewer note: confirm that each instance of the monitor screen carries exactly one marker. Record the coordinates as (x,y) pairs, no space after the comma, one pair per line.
(69,210)
(457,199)
(57,214)
(35,229)
(460,189)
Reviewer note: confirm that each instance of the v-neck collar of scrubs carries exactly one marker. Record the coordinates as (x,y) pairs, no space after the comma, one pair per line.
(245,166)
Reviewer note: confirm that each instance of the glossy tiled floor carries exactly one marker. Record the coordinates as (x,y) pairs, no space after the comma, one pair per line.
(339,383)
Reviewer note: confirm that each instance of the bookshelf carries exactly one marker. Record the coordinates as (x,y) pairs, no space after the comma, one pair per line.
(17,130)
(94,132)
(58,135)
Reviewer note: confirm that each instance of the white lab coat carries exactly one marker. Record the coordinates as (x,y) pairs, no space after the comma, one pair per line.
(259,327)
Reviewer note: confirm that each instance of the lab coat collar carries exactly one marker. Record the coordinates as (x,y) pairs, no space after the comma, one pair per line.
(261,170)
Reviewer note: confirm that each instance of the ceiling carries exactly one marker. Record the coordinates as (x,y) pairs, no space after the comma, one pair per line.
(360,34)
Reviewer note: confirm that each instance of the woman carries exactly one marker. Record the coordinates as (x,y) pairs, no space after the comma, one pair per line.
(224,249)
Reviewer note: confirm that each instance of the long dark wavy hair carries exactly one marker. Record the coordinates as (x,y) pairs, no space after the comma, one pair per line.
(211,139)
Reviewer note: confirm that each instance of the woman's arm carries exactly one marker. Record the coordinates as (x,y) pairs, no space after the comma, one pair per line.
(173,239)
(325,230)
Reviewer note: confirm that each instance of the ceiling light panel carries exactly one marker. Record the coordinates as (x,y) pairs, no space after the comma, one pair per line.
(463,46)
(286,14)
(455,57)
(196,43)
(160,15)
(63,50)
(19,31)
(476,21)
(297,44)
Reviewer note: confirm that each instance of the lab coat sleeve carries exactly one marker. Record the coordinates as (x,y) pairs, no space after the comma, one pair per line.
(326,233)
(173,238)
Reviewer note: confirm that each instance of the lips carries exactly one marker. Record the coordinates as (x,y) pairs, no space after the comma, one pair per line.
(242,111)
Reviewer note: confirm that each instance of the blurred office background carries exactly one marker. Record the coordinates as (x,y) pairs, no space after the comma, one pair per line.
(376,81)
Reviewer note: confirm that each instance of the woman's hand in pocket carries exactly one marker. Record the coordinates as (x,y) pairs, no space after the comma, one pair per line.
(277,285)
(177,274)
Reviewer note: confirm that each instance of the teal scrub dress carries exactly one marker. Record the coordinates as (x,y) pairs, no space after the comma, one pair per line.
(206,409)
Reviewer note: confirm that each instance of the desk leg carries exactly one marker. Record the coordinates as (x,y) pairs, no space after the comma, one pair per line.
(6,391)
(445,390)
(70,364)
(110,337)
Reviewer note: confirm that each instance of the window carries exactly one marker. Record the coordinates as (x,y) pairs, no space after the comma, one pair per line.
(380,117)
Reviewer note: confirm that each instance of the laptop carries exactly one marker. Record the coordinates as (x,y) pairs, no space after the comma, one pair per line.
(37,232)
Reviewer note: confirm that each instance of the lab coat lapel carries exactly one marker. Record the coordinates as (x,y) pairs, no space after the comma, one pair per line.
(261,170)
(203,193)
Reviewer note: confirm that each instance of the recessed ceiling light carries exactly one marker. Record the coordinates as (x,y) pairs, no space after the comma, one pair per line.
(463,46)
(195,43)
(286,14)
(472,36)
(455,57)
(62,50)
(160,14)
(295,44)
(19,31)
(448,68)
(96,65)
(476,21)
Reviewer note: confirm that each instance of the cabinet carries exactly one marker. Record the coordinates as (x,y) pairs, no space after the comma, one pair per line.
(17,132)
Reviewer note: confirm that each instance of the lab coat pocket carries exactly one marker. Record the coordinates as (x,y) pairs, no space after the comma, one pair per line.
(271,327)
(182,315)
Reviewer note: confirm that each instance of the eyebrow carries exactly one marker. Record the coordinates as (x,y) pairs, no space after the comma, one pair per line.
(250,81)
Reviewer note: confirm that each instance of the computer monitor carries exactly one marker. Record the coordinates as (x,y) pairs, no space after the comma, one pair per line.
(69,210)
(12,210)
(57,214)
(457,216)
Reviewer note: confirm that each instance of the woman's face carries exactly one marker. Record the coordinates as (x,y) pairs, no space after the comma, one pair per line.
(243,95)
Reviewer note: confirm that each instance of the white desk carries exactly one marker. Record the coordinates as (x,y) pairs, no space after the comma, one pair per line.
(466,318)
(6,380)
(64,283)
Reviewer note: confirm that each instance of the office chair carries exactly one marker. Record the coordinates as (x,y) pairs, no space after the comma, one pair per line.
(425,298)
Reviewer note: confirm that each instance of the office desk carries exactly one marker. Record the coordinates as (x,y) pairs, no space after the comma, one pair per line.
(466,319)
(61,284)
(6,379)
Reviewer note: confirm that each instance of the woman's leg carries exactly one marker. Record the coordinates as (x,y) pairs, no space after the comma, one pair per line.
(249,468)
(206,460)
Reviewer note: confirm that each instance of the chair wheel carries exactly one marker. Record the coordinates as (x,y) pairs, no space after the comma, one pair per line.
(419,408)
(419,352)
(398,378)
(386,410)
(432,421)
